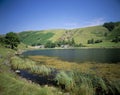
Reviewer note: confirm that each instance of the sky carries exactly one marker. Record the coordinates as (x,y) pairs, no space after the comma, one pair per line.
(23,15)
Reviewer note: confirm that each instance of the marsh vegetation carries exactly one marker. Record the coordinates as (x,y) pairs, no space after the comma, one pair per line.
(84,78)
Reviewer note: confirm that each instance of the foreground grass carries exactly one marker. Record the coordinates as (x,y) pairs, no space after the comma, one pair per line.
(12,84)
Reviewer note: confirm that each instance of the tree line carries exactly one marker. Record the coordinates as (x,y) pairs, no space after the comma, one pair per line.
(71,43)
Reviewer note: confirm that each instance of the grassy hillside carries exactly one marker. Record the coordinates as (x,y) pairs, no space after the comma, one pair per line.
(80,35)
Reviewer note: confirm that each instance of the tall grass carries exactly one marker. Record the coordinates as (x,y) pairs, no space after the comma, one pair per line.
(86,84)
(95,85)
(40,70)
(19,63)
(65,80)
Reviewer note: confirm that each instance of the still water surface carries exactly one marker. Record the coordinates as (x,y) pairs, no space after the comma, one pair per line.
(80,55)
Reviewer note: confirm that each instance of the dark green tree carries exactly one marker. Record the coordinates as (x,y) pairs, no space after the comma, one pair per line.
(116,39)
(91,41)
(49,44)
(72,42)
(110,26)
(12,39)
(2,39)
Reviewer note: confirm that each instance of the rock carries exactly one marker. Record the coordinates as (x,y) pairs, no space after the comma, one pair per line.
(17,71)
(46,85)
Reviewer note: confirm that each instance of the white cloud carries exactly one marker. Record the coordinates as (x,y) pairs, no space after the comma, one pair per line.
(71,25)
(95,22)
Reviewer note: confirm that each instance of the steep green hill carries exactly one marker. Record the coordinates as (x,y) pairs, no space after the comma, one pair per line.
(80,36)
(40,37)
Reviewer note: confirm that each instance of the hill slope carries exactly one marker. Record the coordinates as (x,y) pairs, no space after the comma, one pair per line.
(80,35)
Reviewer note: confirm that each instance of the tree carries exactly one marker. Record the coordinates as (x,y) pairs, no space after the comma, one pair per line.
(12,39)
(98,41)
(91,41)
(116,39)
(2,39)
(110,26)
(49,44)
(72,42)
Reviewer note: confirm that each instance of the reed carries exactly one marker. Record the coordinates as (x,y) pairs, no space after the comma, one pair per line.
(63,78)
(40,70)
(89,84)
(19,63)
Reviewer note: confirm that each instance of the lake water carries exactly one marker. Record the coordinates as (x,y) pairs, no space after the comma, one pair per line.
(80,55)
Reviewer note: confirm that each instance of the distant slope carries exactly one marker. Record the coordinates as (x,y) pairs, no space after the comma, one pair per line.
(80,35)
(40,37)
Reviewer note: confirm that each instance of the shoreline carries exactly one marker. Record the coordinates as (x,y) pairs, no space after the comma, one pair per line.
(30,49)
